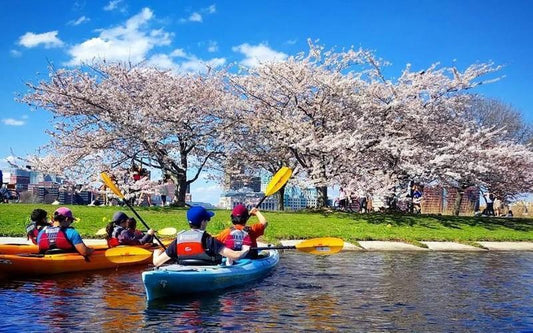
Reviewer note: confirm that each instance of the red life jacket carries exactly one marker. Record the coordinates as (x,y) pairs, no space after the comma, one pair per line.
(32,231)
(112,242)
(236,237)
(54,238)
(191,251)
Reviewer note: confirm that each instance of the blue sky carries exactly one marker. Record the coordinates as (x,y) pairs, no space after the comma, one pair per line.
(184,35)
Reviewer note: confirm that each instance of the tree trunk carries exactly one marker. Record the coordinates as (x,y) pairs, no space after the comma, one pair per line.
(180,180)
(322,196)
(281,198)
(458,199)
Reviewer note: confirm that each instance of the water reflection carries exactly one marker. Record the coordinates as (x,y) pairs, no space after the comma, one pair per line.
(348,292)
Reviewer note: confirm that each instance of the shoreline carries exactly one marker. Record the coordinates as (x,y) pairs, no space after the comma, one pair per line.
(483,246)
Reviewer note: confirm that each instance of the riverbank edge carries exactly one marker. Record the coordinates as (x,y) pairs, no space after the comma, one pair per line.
(479,246)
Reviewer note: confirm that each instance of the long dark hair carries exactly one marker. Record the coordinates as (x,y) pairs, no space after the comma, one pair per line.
(131,223)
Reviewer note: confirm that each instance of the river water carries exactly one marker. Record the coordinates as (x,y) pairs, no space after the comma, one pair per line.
(351,291)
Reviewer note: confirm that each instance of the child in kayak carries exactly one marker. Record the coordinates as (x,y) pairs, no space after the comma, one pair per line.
(132,236)
(60,235)
(115,228)
(38,221)
(239,217)
(195,246)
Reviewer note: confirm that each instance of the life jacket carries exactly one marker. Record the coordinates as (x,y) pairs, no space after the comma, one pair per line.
(117,230)
(113,238)
(236,238)
(191,251)
(32,232)
(54,238)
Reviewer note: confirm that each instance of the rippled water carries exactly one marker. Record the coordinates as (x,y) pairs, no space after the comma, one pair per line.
(370,291)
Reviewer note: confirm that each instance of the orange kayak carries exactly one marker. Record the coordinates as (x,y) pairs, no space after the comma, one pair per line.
(39,264)
(17,248)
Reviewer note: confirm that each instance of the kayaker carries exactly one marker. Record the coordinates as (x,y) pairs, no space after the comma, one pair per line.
(195,246)
(239,217)
(115,228)
(38,221)
(132,236)
(61,235)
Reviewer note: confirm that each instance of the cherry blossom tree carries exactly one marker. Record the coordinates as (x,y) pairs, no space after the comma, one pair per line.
(302,103)
(111,114)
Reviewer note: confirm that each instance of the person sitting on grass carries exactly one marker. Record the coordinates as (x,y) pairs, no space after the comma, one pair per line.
(132,236)
(38,221)
(195,246)
(61,236)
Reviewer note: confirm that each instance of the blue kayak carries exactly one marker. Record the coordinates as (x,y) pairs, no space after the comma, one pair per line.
(171,280)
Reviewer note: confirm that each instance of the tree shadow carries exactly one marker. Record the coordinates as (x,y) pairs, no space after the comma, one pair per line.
(433,221)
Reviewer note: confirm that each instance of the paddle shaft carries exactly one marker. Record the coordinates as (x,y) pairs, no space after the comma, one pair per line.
(144,223)
(288,247)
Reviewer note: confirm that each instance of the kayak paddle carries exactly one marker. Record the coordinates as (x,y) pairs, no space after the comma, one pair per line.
(276,183)
(127,254)
(168,231)
(318,246)
(111,184)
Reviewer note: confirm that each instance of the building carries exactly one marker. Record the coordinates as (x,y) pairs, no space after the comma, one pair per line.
(237,191)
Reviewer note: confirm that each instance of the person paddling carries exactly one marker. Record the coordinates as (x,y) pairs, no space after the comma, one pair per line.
(195,246)
(60,235)
(38,221)
(239,217)
(132,236)
(115,228)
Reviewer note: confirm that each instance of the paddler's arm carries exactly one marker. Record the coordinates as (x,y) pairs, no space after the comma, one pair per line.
(83,249)
(234,255)
(262,219)
(160,257)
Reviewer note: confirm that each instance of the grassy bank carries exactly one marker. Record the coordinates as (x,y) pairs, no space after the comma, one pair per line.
(296,225)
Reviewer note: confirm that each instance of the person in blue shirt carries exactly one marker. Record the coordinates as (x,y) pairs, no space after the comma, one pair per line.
(62,236)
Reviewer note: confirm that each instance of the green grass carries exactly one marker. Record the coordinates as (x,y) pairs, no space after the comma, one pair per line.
(297,225)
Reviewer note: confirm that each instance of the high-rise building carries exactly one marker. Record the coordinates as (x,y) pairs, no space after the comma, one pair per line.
(249,190)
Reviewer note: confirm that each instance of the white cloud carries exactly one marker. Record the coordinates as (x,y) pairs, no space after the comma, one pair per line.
(131,41)
(178,53)
(48,39)
(4,162)
(291,41)
(15,53)
(113,4)
(255,54)
(79,21)
(189,64)
(195,17)
(13,122)
(212,46)
(211,9)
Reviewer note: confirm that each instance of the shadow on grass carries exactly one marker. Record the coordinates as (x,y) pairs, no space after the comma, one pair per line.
(436,221)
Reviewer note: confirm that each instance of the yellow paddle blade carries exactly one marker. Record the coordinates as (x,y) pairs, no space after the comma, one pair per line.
(127,254)
(101,232)
(321,246)
(169,231)
(278,180)
(111,184)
